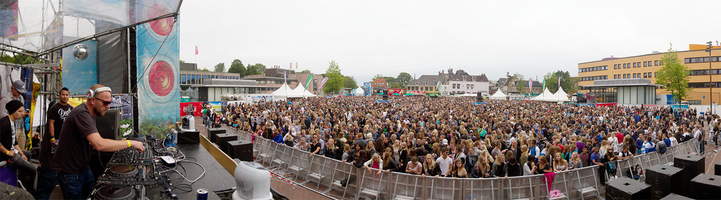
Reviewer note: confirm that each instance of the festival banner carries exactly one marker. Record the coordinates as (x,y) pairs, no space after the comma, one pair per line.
(322,82)
(197,106)
(307,82)
(158,75)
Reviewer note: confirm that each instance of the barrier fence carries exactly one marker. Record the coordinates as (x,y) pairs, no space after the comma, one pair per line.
(325,175)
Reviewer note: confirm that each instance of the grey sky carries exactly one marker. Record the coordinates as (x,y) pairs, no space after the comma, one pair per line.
(423,37)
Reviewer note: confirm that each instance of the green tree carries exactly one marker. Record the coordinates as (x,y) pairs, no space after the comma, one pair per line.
(514,80)
(237,67)
(568,83)
(403,79)
(673,76)
(203,70)
(378,76)
(305,72)
(257,68)
(335,79)
(220,67)
(349,82)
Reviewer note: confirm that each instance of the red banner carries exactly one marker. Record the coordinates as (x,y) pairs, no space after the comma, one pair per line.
(606,105)
(196,105)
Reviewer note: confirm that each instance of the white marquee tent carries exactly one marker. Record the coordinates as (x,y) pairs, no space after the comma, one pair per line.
(498,95)
(545,96)
(560,96)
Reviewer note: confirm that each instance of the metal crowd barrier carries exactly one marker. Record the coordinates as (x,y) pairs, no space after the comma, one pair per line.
(326,176)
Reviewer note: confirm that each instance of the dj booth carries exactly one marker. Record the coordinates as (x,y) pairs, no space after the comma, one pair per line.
(180,172)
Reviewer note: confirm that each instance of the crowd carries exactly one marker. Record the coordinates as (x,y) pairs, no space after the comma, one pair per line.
(452,137)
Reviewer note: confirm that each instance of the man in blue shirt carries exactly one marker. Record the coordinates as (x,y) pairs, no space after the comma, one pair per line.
(596,160)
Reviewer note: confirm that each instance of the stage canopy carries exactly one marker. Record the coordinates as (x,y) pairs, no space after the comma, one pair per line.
(358,92)
(42,26)
(282,92)
(560,96)
(545,96)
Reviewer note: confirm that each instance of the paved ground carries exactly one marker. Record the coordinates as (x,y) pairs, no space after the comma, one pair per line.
(290,190)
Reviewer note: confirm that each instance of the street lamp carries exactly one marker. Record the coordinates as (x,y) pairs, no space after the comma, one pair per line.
(710,84)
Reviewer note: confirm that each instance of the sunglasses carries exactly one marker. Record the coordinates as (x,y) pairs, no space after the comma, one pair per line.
(105,103)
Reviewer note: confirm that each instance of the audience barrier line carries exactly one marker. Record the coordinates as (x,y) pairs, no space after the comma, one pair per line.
(327,175)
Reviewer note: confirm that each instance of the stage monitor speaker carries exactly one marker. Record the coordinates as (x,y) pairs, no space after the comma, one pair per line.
(626,188)
(659,177)
(189,137)
(479,97)
(223,139)
(385,97)
(109,124)
(240,149)
(213,133)
(706,186)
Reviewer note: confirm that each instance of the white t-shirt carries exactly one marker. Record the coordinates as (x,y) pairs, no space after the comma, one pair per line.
(444,164)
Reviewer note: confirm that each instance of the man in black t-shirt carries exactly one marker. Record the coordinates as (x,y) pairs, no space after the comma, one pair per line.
(78,136)
(48,170)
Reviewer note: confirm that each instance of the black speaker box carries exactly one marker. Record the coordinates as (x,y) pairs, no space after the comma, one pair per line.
(674,196)
(706,186)
(240,149)
(659,177)
(109,124)
(626,188)
(717,168)
(213,132)
(188,137)
(692,166)
(222,140)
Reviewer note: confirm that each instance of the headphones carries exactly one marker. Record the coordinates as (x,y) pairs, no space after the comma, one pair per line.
(92,93)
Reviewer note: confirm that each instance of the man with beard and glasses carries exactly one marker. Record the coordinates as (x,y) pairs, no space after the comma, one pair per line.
(78,136)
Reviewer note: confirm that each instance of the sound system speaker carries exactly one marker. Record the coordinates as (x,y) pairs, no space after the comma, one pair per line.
(109,124)
(626,188)
(659,177)
(706,186)
(674,196)
(692,166)
(479,97)
(189,137)
(222,140)
(240,149)
(213,133)
(385,97)
(717,168)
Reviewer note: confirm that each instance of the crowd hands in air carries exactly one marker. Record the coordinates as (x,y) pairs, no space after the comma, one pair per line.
(452,137)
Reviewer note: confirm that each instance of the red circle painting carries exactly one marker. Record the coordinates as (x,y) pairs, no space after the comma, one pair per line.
(161,78)
(160,26)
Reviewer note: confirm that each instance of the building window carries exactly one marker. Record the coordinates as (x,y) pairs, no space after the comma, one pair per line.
(655,63)
(634,65)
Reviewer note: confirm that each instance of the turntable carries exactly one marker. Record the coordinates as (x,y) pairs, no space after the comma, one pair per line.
(123,170)
(116,192)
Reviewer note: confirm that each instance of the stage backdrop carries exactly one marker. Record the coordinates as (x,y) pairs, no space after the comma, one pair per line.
(158,78)
(79,75)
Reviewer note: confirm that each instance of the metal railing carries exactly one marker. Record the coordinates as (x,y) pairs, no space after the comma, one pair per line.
(325,176)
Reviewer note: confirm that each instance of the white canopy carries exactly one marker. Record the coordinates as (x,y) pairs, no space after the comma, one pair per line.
(498,95)
(283,91)
(300,92)
(560,96)
(358,92)
(545,96)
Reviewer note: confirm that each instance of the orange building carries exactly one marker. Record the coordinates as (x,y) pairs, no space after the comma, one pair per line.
(645,66)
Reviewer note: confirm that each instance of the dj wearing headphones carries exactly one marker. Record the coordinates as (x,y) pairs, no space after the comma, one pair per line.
(78,136)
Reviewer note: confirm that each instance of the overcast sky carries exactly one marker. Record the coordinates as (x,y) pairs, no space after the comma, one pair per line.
(423,37)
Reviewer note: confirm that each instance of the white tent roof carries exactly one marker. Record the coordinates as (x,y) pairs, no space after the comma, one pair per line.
(498,95)
(560,96)
(545,96)
(283,91)
(300,92)
(358,91)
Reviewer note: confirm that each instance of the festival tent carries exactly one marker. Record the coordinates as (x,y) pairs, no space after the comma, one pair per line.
(300,92)
(282,92)
(560,96)
(358,92)
(499,95)
(545,96)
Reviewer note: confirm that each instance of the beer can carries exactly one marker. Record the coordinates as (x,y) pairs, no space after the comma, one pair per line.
(202,194)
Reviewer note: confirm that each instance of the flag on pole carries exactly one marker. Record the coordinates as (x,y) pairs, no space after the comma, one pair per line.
(544,85)
(291,65)
(530,85)
(307,82)
(323,82)
(296,65)
(285,76)
(439,86)
(559,82)
(196,50)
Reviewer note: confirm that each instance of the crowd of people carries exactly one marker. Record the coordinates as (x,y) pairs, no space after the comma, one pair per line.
(452,137)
